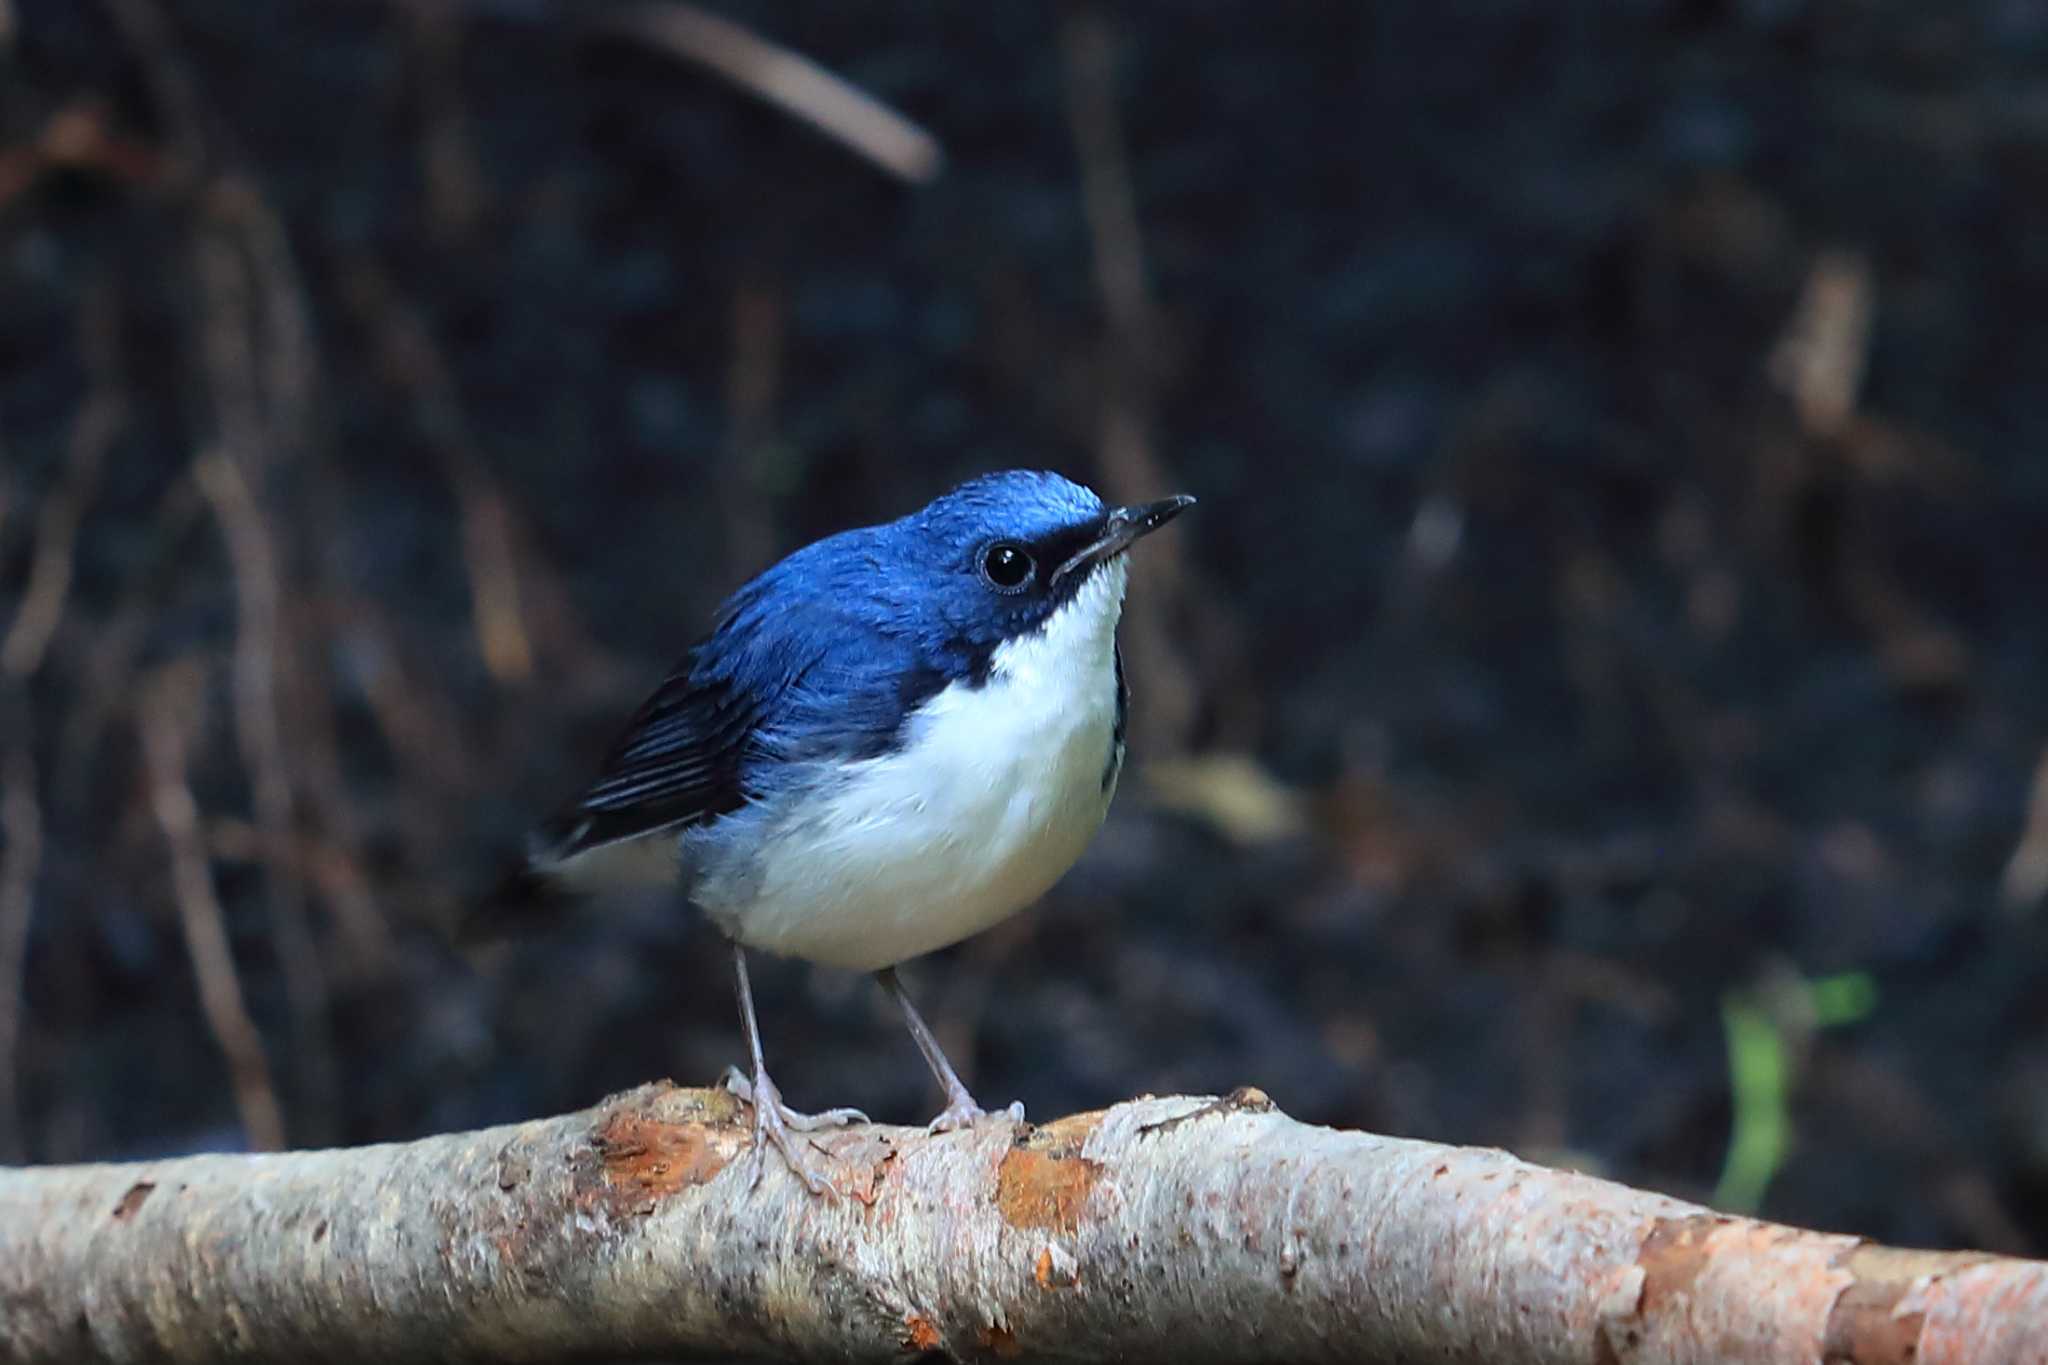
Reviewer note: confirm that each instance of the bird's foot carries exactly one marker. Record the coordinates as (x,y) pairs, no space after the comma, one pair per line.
(776,1123)
(736,1081)
(962,1112)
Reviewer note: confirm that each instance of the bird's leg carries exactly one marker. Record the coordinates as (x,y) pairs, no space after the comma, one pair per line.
(961,1110)
(773,1120)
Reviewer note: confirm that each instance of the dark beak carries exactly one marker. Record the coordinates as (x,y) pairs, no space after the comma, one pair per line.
(1121,527)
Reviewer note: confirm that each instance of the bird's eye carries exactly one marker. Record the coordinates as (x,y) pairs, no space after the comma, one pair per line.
(1007,567)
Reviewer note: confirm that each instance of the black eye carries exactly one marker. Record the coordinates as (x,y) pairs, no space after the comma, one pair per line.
(1007,567)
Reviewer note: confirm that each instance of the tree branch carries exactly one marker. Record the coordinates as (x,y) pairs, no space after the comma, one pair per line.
(1211,1231)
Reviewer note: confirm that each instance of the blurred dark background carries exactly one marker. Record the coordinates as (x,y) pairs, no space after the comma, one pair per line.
(1596,708)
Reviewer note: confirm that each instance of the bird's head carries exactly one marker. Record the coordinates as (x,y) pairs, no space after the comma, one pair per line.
(1007,555)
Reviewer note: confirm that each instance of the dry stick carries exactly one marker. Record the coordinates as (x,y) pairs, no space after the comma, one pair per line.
(22,653)
(1088,51)
(236,385)
(760,323)
(260,646)
(102,691)
(285,361)
(1161,1228)
(1131,466)
(256,353)
(415,365)
(168,713)
(327,865)
(450,172)
(49,580)
(152,41)
(781,77)
(1820,359)
(2026,872)
(285,368)
(337,876)
(21,826)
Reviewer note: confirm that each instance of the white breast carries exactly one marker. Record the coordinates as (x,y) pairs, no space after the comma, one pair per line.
(994,796)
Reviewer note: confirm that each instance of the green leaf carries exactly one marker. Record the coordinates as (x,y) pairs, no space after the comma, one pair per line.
(1762,1124)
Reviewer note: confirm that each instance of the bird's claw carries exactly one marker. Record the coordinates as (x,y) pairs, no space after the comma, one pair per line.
(776,1123)
(963,1112)
(737,1083)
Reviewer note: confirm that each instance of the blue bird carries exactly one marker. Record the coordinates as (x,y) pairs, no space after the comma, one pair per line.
(891,740)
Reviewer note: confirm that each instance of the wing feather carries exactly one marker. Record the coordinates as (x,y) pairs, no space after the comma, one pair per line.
(679,762)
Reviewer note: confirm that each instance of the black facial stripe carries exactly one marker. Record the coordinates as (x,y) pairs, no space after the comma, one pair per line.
(1062,545)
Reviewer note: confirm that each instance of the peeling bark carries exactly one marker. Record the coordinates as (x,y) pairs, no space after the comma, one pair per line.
(1217,1230)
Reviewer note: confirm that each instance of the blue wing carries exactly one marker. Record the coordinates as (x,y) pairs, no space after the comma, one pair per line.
(679,762)
(789,675)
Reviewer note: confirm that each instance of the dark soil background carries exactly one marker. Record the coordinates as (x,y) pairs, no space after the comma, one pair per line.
(1595,708)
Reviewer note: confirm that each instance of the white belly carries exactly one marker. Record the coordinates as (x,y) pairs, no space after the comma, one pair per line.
(991,800)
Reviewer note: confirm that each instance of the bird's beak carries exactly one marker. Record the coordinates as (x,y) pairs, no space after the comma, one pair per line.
(1120,527)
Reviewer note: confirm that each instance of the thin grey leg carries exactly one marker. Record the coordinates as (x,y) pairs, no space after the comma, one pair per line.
(774,1121)
(961,1111)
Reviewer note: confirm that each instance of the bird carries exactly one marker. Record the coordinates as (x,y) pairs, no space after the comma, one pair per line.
(889,741)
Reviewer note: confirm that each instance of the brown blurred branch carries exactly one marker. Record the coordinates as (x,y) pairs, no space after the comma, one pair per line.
(1182,1228)
(1820,359)
(1131,467)
(260,654)
(450,172)
(785,78)
(255,356)
(2026,872)
(77,137)
(753,385)
(92,435)
(21,829)
(254,396)
(22,653)
(168,715)
(326,864)
(415,364)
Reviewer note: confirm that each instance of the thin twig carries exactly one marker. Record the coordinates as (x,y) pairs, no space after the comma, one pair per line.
(785,78)
(2026,872)
(168,713)
(21,655)
(149,36)
(330,867)
(338,876)
(1131,467)
(259,649)
(99,423)
(260,363)
(77,139)
(760,309)
(239,382)
(102,683)
(450,172)
(257,361)
(495,580)
(1107,195)
(21,825)
(283,363)
(1819,361)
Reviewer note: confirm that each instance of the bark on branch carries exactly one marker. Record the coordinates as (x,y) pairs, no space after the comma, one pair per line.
(1161,1228)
